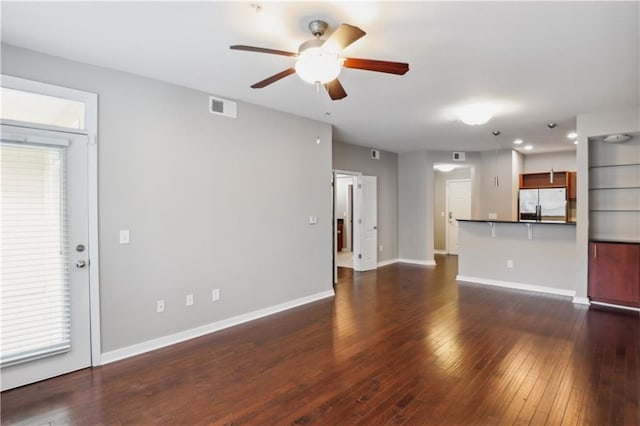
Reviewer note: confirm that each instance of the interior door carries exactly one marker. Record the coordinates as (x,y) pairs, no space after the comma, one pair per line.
(44,291)
(458,207)
(365,241)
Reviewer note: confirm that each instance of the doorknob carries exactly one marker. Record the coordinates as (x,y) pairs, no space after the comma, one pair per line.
(81,264)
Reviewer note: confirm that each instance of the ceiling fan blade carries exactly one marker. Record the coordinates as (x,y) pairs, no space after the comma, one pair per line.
(374,65)
(344,36)
(273,78)
(335,89)
(261,50)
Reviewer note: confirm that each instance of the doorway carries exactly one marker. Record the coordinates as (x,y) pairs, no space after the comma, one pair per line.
(458,201)
(344,220)
(49,288)
(355,227)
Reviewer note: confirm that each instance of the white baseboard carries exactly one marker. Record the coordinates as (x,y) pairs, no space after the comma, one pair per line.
(611,305)
(172,339)
(517,286)
(418,262)
(387,262)
(439,252)
(581,300)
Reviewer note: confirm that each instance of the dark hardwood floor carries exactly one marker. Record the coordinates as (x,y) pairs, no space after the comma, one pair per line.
(400,345)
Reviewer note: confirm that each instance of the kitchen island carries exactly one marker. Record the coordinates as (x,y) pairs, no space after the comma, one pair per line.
(532,256)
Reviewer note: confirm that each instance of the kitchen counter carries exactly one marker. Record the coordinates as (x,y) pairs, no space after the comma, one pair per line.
(515,221)
(540,256)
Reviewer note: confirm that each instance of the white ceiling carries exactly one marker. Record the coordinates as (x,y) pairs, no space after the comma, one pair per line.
(541,62)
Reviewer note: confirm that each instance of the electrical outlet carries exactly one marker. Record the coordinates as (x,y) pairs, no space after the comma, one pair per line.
(215,295)
(160,306)
(509,263)
(189,299)
(493,215)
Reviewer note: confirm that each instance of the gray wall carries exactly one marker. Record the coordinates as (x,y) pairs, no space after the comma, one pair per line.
(211,202)
(547,260)
(440,206)
(560,161)
(416,200)
(412,207)
(358,159)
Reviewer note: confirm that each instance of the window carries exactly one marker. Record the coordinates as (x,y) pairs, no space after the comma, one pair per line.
(29,107)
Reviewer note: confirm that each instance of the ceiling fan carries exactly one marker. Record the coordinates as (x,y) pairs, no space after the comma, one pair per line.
(318,61)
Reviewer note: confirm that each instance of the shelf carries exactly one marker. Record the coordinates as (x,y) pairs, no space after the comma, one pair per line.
(614,165)
(613,210)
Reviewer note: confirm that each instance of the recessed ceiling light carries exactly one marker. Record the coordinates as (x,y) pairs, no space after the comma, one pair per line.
(518,142)
(476,114)
(572,135)
(528,147)
(575,142)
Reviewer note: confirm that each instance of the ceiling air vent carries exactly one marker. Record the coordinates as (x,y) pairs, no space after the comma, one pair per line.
(223,107)
(459,156)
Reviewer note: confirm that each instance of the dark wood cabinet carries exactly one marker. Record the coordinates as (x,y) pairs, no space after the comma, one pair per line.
(543,180)
(340,234)
(571,185)
(614,273)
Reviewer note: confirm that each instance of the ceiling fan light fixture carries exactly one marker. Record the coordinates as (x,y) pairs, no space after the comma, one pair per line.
(476,114)
(315,65)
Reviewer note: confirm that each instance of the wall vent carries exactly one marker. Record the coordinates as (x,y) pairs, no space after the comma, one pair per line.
(375,154)
(459,156)
(223,107)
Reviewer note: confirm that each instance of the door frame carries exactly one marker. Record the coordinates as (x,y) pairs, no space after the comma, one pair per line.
(91,131)
(334,219)
(446,205)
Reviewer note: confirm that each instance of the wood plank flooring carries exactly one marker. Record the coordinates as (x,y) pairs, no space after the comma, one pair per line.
(400,345)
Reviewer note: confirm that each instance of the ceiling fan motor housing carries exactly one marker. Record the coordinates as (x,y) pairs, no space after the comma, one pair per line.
(316,42)
(318,28)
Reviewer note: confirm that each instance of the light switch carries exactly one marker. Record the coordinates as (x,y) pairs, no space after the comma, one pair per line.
(313,220)
(124,236)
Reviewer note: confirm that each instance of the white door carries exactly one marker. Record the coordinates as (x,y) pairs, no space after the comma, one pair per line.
(458,207)
(44,291)
(365,230)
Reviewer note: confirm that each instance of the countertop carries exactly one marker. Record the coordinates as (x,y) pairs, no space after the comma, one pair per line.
(597,240)
(515,221)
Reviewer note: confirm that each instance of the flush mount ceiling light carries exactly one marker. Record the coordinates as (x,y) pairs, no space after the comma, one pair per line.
(444,167)
(616,138)
(528,147)
(572,135)
(517,142)
(476,114)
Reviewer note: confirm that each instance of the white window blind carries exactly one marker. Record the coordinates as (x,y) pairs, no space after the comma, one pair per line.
(34,282)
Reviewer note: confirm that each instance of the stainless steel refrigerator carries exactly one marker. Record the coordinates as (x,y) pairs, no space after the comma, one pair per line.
(543,205)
